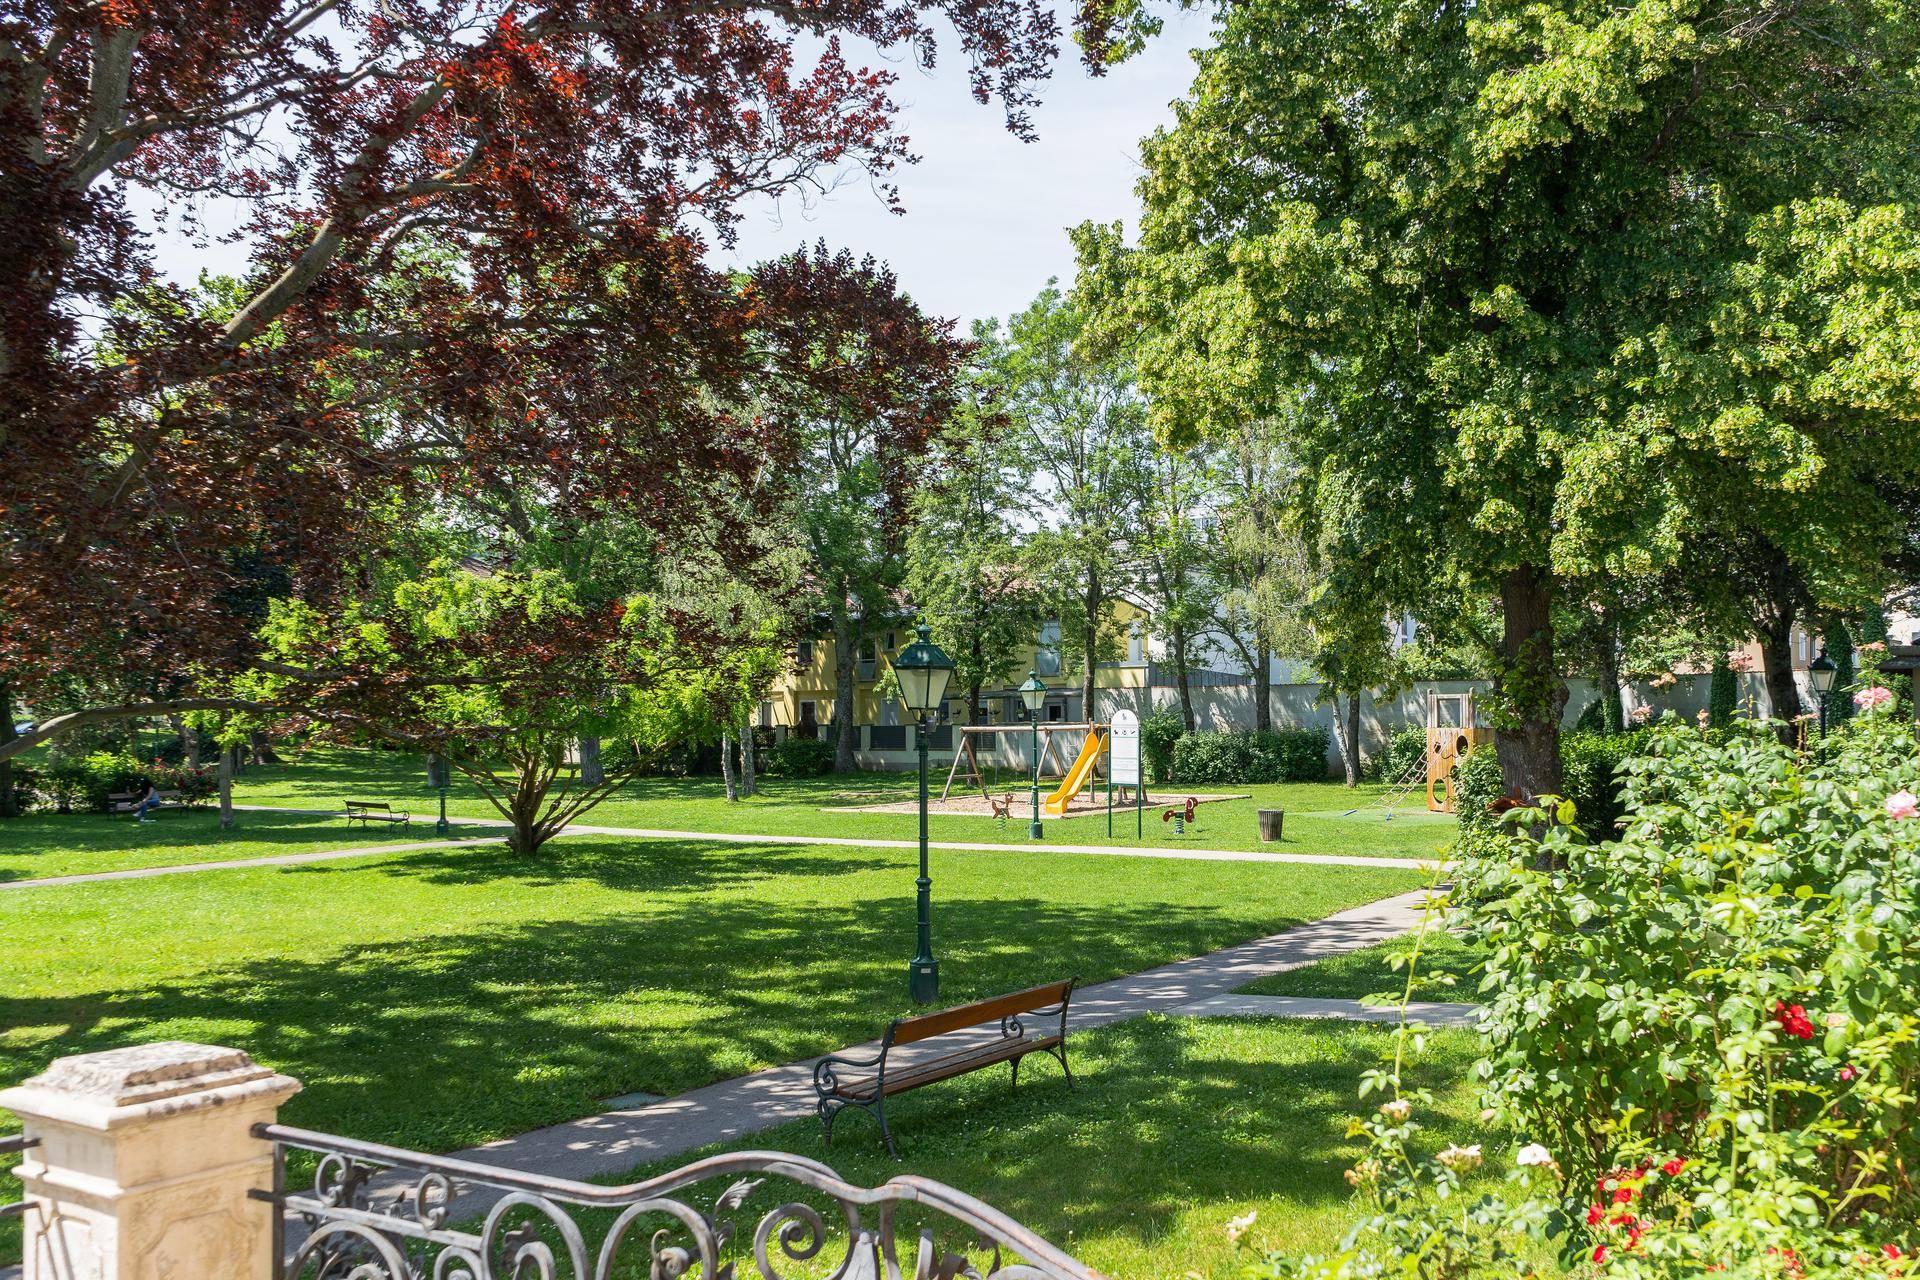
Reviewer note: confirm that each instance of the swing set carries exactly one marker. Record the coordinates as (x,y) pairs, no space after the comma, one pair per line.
(968,772)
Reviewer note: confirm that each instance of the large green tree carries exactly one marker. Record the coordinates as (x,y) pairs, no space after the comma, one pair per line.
(1079,430)
(1523,265)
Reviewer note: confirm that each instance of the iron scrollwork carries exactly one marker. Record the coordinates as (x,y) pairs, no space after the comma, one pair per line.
(373,1212)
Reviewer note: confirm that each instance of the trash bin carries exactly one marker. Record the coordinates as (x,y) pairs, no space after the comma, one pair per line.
(1271,821)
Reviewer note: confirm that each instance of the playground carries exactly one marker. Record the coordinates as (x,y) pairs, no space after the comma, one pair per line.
(1088,803)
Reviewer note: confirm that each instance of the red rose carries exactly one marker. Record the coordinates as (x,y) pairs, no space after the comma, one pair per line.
(1599,1253)
(1594,1214)
(1672,1167)
(1793,1020)
(1623,1196)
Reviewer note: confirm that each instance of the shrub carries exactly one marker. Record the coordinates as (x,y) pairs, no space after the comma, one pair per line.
(1406,747)
(793,757)
(1723,694)
(1212,757)
(1590,772)
(1290,755)
(88,782)
(1702,1039)
(1477,783)
(1158,734)
(1287,755)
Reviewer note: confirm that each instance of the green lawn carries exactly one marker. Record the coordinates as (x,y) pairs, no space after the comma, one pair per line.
(1317,818)
(50,844)
(441,998)
(1448,969)
(1178,1124)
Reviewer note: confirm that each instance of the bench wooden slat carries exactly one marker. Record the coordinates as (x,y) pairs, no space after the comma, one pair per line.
(949,1066)
(908,1030)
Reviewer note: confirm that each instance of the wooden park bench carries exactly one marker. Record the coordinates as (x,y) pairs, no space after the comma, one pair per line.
(366,811)
(128,801)
(999,1036)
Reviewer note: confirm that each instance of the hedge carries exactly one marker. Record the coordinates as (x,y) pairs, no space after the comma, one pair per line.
(800,757)
(1286,755)
(1590,773)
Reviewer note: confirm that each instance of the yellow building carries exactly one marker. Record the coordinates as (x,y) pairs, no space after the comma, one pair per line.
(802,700)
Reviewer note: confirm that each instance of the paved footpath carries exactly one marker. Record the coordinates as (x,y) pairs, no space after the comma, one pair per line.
(726,837)
(619,1140)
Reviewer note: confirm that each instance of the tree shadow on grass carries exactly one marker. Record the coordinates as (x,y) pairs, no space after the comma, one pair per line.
(446,1041)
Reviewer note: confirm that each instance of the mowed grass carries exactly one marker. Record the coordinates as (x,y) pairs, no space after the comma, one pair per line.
(52,844)
(1318,818)
(1447,969)
(442,998)
(1177,1126)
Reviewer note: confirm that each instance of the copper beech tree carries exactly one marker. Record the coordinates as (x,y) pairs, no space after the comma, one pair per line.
(563,164)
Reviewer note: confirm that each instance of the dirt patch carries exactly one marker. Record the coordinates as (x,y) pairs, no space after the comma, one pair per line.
(1087,804)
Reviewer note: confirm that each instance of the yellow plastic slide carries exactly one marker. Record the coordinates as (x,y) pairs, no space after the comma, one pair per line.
(1078,776)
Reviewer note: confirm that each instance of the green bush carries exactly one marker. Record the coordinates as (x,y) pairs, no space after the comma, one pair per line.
(1158,734)
(88,781)
(800,757)
(1406,747)
(1291,755)
(1286,755)
(1590,773)
(1212,758)
(1723,694)
(1702,1039)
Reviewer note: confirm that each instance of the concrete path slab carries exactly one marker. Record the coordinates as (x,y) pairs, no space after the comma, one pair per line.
(617,1141)
(271,860)
(1432,1014)
(960,846)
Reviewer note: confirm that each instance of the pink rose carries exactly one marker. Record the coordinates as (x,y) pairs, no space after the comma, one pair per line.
(1903,804)
(1873,699)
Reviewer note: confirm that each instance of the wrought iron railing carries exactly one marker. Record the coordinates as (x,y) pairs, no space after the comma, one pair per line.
(381,1213)
(8,1147)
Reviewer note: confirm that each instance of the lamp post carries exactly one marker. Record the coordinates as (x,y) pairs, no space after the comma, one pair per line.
(1822,671)
(923,672)
(1034,694)
(438,776)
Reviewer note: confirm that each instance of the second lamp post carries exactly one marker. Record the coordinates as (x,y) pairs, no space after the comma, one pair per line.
(1821,672)
(1034,694)
(923,672)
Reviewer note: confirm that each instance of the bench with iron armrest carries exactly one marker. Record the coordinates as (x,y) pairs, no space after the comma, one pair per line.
(1000,1036)
(128,801)
(366,811)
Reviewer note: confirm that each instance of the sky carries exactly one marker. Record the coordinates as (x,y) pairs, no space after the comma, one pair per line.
(986,214)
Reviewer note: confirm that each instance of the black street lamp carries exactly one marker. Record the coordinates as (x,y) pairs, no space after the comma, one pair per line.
(438,776)
(1821,671)
(1034,694)
(923,672)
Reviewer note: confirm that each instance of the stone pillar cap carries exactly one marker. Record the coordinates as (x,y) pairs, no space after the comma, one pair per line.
(119,1085)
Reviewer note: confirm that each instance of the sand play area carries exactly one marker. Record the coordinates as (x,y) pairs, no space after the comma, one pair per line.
(1087,804)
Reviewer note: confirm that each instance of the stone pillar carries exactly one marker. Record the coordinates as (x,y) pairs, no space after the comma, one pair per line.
(145,1162)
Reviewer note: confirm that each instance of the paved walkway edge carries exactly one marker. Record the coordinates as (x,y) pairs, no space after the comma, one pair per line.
(960,846)
(617,1141)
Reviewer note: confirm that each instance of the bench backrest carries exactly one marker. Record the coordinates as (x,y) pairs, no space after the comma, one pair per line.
(926,1025)
(368,804)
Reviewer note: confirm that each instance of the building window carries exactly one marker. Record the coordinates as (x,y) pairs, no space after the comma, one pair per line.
(804,652)
(1136,644)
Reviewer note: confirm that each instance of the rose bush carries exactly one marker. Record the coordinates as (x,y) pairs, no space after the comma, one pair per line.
(1704,1036)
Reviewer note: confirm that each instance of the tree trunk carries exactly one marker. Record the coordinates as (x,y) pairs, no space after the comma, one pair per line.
(846,639)
(1776,664)
(1530,690)
(726,765)
(592,772)
(9,805)
(1183,681)
(189,743)
(1347,726)
(262,748)
(1612,716)
(227,754)
(1262,687)
(1093,600)
(973,702)
(747,785)
(524,809)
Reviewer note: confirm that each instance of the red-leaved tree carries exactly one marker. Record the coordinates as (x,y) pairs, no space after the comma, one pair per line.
(476,233)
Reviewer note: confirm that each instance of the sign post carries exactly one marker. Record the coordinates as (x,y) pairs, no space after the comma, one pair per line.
(1123,763)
